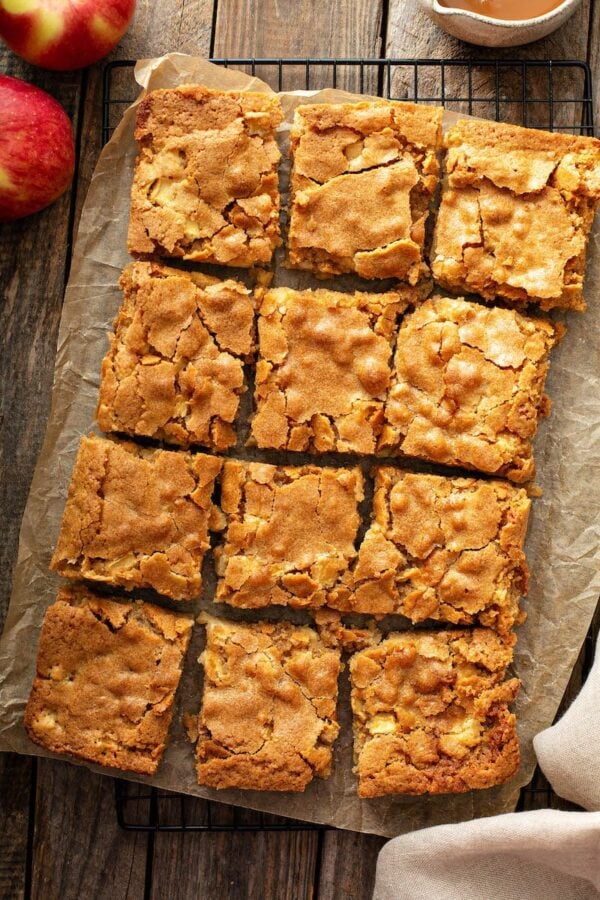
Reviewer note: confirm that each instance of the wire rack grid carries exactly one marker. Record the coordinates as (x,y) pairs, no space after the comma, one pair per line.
(548,94)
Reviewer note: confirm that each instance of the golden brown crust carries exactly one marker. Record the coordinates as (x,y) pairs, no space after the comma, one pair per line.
(205,185)
(431,713)
(362,180)
(137,517)
(440,548)
(174,370)
(516,213)
(290,532)
(468,386)
(268,718)
(324,368)
(106,678)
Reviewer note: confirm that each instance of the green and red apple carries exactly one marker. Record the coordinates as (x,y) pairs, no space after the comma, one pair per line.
(64,34)
(37,150)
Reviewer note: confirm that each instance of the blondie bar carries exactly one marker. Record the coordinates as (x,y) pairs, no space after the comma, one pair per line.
(440,548)
(174,370)
(290,532)
(268,718)
(137,518)
(106,678)
(324,369)
(205,185)
(516,213)
(431,713)
(362,180)
(468,387)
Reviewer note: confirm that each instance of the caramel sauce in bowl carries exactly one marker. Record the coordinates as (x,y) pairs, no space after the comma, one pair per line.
(495,24)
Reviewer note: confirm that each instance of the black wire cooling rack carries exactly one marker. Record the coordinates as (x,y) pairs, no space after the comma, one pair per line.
(548,94)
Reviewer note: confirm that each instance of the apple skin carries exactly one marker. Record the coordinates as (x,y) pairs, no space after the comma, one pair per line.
(37,150)
(64,34)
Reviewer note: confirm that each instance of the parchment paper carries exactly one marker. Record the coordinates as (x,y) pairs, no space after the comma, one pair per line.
(563,545)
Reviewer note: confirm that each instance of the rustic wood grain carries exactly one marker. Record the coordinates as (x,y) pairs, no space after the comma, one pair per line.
(300,29)
(234,866)
(348,865)
(79,851)
(15,788)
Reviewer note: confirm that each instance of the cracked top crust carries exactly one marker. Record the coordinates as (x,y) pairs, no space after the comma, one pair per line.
(516,213)
(174,370)
(441,548)
(106,678)
(362,180)
(268,718)
(205,185)
(324,368)
(137,518)
(468,386)
(431,713)
(290,532)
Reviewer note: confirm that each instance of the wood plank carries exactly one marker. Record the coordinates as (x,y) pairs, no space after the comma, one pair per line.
(79,851)
(300,29)
(348,865)
(15,789)
(231,866)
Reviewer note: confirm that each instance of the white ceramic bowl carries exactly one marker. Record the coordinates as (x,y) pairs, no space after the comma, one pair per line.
(488,32)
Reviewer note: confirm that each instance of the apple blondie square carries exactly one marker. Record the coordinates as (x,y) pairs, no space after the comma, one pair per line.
(324,368)
(467,387)
(516,213)
(431,713)
(137,517)
(205,185)
(174,370)
(106,678)
(268,718)
(363,178)
(290,532)
(440,548)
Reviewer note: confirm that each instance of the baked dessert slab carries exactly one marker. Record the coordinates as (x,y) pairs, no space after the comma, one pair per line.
(440,548)
(205,185)
(268,718)
(468,386)
(174,371)
(516,213)
(431,713)
(324,368)
(362,180)
(106,678)
(290,532)
(137,518)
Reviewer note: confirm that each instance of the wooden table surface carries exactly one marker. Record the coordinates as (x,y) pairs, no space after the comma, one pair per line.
(58,834)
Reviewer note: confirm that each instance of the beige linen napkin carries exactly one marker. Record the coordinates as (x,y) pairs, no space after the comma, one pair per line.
(569,752)
(542,855)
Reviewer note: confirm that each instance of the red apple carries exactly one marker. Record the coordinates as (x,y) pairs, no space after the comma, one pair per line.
(64,34)
(37,151)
